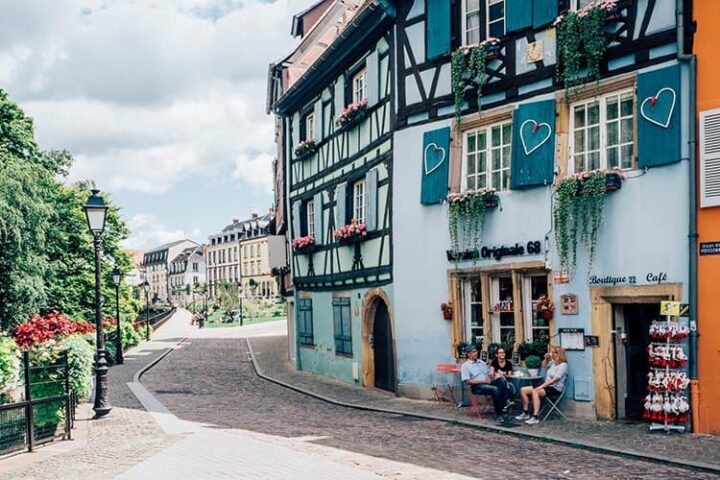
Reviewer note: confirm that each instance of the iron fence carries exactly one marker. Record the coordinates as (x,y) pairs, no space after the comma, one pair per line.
(45,409)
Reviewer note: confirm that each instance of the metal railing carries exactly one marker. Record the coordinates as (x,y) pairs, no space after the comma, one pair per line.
(48,401)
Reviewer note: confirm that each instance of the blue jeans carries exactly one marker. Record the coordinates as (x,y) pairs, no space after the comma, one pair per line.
(499,391)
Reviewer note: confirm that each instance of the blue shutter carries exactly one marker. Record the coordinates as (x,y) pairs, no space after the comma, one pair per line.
(317,120)
(659,120)
(533,144)
(437,28)
(435,166)
(371,196)
(340,199)
(518,15)
(544,12)
(372,78)
(318,218)
(296,219)
(339,97)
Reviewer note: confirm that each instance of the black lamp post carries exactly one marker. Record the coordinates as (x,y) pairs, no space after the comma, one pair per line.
(95,212)
(117,276)
(240,289)
(146,287)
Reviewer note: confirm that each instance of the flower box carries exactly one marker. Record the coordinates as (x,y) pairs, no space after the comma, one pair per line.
(307,249)
(304,149)
(351,233)
(304,244)
(613,181)
(492,200)
(352,114)
(492,51)
(454,256)
(613,13)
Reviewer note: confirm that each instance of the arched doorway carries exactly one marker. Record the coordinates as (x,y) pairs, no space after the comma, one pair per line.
(378,342)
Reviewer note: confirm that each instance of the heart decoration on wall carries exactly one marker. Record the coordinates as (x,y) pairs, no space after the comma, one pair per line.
(434,157)
(659,108)
(535,136)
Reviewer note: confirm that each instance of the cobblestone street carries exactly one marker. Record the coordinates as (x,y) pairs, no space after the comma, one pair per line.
(238,425)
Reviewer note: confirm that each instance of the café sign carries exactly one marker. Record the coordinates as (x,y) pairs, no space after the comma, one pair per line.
(533,247)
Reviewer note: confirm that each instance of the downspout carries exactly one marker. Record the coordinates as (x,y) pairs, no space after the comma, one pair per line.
(691,61)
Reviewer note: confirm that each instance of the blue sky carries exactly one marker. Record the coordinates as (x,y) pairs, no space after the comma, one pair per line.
(161,102)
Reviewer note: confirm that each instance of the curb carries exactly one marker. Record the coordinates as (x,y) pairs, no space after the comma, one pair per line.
(578,444)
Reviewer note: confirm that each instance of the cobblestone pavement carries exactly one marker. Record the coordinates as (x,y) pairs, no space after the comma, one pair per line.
(211,381)
(271,355)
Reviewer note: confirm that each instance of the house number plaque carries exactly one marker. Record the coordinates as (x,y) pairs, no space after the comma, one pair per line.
(535,51)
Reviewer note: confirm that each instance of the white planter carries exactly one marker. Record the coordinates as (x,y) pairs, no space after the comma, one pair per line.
(533,372)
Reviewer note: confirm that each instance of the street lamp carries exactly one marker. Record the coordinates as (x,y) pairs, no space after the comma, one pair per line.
(95,212)
(117,276)
(146,287)
(240,289)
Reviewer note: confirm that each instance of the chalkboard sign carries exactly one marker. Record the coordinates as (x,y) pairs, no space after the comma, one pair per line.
(592,341)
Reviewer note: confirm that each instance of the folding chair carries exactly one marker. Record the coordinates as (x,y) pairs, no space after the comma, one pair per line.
(554,404)
(479,403)
(443,388)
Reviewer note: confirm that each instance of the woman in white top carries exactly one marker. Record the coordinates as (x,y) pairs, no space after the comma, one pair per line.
(553,385)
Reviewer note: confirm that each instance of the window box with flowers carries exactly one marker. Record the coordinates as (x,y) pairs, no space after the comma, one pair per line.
(352,114)
(468,72)
(304,149)
(467,211)
(351,233)
(304,244)
(447,310)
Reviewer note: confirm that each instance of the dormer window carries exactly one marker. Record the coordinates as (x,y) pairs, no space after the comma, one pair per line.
(359,86)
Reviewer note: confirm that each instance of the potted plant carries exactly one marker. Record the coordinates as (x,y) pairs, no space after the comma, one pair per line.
(492,48)
(447,310)
(351,233)
(467,72)
(467,211)
(303,244)
(613,179)
(532,363)
(544,308)
(462,349)
(352,113)
(305,148)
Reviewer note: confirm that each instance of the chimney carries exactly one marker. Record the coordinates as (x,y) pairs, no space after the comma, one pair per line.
(254,216)
(235,221)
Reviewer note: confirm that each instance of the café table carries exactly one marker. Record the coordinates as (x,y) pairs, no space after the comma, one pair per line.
(520,379)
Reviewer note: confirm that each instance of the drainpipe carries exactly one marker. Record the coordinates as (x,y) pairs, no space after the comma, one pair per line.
(691,61)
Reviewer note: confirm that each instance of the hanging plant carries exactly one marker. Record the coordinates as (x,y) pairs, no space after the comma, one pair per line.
(578,213)
(467,72)
(467,210)
(581,42)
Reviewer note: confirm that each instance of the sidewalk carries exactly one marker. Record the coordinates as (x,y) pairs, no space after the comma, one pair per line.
(702,451)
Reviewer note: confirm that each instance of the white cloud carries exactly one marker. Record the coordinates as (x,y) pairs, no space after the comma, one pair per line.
(255,171)
(149,232)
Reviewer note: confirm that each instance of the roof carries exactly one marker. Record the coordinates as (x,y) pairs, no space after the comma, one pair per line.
(259,223)
(169,245)
(186,254)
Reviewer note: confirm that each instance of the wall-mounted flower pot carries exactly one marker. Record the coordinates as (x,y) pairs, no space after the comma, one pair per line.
(352,240)
(307,249)
(492,201)
(358,117)
(305,154)
(492,51)
(612,182)
(613,14)
(462,256)
(447,315)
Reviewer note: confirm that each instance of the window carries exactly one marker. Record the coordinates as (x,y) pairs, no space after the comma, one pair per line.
(310,217)
(471,22)
(359,86)
(534,287)
(495,18)
(475,332)
(487,157)
(310,127)
(580,4)
(343,326)
(502,309)
(358,204)
(602,133)
(195,280)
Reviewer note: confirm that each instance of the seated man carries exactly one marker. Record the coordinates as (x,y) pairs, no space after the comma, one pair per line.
(476,374)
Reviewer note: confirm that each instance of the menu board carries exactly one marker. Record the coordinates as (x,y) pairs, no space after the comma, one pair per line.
(572,338)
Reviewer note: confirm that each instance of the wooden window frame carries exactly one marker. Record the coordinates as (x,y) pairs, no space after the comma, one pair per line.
(487,18)
(310,217)
(482,14)
(489,171)
(361,92)
(309,121)
(358,200)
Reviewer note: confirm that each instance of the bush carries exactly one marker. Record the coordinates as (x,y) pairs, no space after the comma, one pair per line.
(130,336)
(10,364)
(537,347)
(52,325)
(81,356)
(533,361)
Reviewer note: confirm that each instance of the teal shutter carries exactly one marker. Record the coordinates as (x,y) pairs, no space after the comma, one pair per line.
(518,15)
(317,120)
(339,97)
(340,200)
(318,218)
(533,145)
(544,12)
(372,78)
(296,219)
(371,196)
(658,110)
(435,166)
(295,131)
(437,28)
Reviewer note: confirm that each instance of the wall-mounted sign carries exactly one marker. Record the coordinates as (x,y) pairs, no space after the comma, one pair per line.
(710,248)
(572,338)
(532,248)
(568,304)
(561,277)
(592,341)
(670,308)
(614,280)
(535,51)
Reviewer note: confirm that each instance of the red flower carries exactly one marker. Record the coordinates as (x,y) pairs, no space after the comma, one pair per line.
(53,325)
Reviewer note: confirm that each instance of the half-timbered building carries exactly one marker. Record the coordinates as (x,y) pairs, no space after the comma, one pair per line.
(333,98)
(496,144)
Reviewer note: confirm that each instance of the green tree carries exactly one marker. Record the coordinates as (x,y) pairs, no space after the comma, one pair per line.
(228,296)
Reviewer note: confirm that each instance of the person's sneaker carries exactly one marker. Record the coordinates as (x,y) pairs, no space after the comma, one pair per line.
(522,416)
(508,405)
(532,421)
(500,419)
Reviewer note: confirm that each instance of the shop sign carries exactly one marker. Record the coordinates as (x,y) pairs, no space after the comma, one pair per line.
(614,280)
(592,341)
(710,248)
(674,309)
(532,248)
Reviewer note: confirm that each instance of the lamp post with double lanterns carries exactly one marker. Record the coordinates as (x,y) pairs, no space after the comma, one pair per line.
(96,212)
(117,277)
(146,287)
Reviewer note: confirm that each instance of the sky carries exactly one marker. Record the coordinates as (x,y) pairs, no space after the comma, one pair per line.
(161,102)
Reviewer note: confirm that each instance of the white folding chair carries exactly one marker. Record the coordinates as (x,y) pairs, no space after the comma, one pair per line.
(554,404)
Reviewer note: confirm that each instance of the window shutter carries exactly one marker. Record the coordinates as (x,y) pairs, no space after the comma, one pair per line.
(296,219)
(371,196)
(544,12)
(372,78)
(317,120)
(339,96)
(340,199)
(658,117)
(295,131)
(435,166)
(517,15)
(437,28)
(318,218)
(533,145)
(710,158)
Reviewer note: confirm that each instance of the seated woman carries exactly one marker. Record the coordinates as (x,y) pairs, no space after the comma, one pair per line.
(553,385)
(501,369)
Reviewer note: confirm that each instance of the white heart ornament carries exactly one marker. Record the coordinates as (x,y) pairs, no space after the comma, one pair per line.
(536,126)
(425,158)
(666,124)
